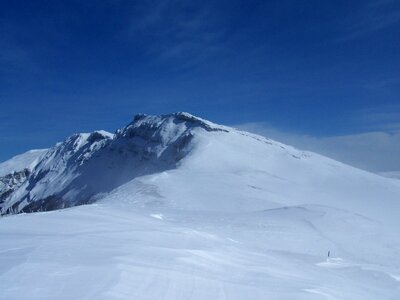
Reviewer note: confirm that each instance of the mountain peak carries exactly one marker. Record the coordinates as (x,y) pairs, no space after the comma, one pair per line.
(189,120)
(86,164)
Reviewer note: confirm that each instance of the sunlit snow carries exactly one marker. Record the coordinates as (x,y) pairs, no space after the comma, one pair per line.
(239,217)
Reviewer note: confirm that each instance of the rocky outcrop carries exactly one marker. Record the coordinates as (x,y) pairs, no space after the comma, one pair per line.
(10,182)
(85,165)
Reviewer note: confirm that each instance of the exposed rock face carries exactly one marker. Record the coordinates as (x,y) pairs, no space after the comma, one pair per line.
(11,182)
(85,165)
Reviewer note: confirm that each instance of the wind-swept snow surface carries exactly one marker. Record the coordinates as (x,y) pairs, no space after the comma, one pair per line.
(107,251)
(206,212)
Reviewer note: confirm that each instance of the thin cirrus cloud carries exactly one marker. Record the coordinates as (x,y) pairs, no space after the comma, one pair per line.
(386,120)
(371,17)
(189,33)
(375,151)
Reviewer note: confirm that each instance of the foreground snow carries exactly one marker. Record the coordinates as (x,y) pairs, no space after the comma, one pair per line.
(109,251)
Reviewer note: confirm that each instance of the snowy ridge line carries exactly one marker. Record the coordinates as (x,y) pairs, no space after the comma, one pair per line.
(27,160)
(64,175)
(86,166)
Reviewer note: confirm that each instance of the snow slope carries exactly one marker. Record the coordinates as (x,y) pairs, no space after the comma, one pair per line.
(219,214)
(19,162)
(109,251)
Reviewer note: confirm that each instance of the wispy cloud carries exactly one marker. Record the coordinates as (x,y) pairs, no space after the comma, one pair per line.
(186,33)
(14,58)
(371,17)
(373,151)
(384,118)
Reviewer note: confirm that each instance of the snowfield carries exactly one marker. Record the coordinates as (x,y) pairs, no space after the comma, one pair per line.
(210,213)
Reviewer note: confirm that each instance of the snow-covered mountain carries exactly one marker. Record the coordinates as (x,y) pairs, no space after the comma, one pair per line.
(79,169)
(85,166)
(15,171)
(189,209)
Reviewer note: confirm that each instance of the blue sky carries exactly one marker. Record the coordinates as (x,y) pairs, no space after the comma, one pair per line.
(321,69)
